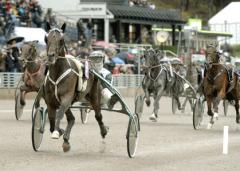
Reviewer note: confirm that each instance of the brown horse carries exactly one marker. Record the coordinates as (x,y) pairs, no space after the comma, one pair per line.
(34,68)
(63,87)
(216,85)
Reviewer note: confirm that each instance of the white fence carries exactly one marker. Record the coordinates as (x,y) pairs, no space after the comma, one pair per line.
(9,80)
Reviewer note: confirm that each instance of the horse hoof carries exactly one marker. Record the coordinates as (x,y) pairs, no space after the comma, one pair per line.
(104,131)
(22,103)
(237,121)
(215,116)
(148,103)
(153,118)
(209,126)
(55,135)
(66,147)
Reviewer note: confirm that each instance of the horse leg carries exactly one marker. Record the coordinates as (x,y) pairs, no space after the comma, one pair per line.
(96,105)
(209,106)
(178,102)
(23,91)
(210,113)
(59,115)
(237,109)
(157,97)
(145,86)
(103,129)
(147,96)
(51,117)
(71,120)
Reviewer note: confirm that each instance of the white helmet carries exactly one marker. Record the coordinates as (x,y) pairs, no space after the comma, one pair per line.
(97,56)
(97,60)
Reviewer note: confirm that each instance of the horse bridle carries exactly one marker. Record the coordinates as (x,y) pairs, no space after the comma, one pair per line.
(59,48)
(65,73)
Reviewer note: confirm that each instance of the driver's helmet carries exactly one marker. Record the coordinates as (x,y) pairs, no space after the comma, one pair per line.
(237,65)
(97,59)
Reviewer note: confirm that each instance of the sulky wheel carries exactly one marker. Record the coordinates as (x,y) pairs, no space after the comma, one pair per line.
(197,114)
(139,102)
(225,107)
(174,105)
(84,115)
(18,106)
(38,127)
(132,137)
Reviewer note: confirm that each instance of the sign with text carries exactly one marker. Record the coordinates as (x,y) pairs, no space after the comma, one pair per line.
(92,9)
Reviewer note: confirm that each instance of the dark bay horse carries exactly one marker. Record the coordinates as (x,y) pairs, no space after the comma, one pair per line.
(34,68)
(159,79)
(216,85)
(64,85)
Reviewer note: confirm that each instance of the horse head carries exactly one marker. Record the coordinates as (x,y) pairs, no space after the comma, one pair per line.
(55,42)
(212,54)
(150,57)
(29,51)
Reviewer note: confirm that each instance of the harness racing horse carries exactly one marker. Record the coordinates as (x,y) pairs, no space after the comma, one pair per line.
(159,79)
(34,68)
(64,85)
(216,85)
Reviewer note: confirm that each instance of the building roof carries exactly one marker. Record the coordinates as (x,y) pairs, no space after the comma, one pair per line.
(229,14)
(115,2)
(146,15)
(203,32)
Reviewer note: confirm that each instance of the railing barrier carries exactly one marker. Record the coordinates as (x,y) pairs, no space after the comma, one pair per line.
(9,80)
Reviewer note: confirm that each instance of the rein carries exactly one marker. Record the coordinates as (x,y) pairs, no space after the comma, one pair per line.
(163,67)
(150,67)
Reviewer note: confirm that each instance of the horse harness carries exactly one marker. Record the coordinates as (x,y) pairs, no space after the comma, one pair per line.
(163,68)
(55,83)
(29,75)
(218,74)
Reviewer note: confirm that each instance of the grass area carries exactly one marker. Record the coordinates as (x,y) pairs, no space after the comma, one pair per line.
(236,50)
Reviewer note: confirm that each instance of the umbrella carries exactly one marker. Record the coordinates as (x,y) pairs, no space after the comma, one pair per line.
(104,44)
(125,56)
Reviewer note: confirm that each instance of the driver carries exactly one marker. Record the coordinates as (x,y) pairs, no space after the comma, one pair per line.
(97,60)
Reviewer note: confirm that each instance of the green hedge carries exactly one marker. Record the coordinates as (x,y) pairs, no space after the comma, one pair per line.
(171,48)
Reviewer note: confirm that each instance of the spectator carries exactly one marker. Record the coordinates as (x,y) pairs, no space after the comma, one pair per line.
(13,53)
(2,61)
(2,32)
(24,14)
(81,32)
(36,13)
(89,33)
(50,18)
(111,61)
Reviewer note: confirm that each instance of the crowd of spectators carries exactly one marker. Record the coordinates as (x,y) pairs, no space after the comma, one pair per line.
(85,32)
(142,3)
(116,60)
(26,13)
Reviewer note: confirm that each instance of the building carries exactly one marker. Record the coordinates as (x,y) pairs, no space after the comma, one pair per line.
(228,20)
(117,19)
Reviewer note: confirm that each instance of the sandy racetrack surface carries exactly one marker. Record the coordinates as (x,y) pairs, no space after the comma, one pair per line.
(169,144)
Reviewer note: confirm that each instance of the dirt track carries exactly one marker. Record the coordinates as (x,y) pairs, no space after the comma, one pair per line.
(169,144)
